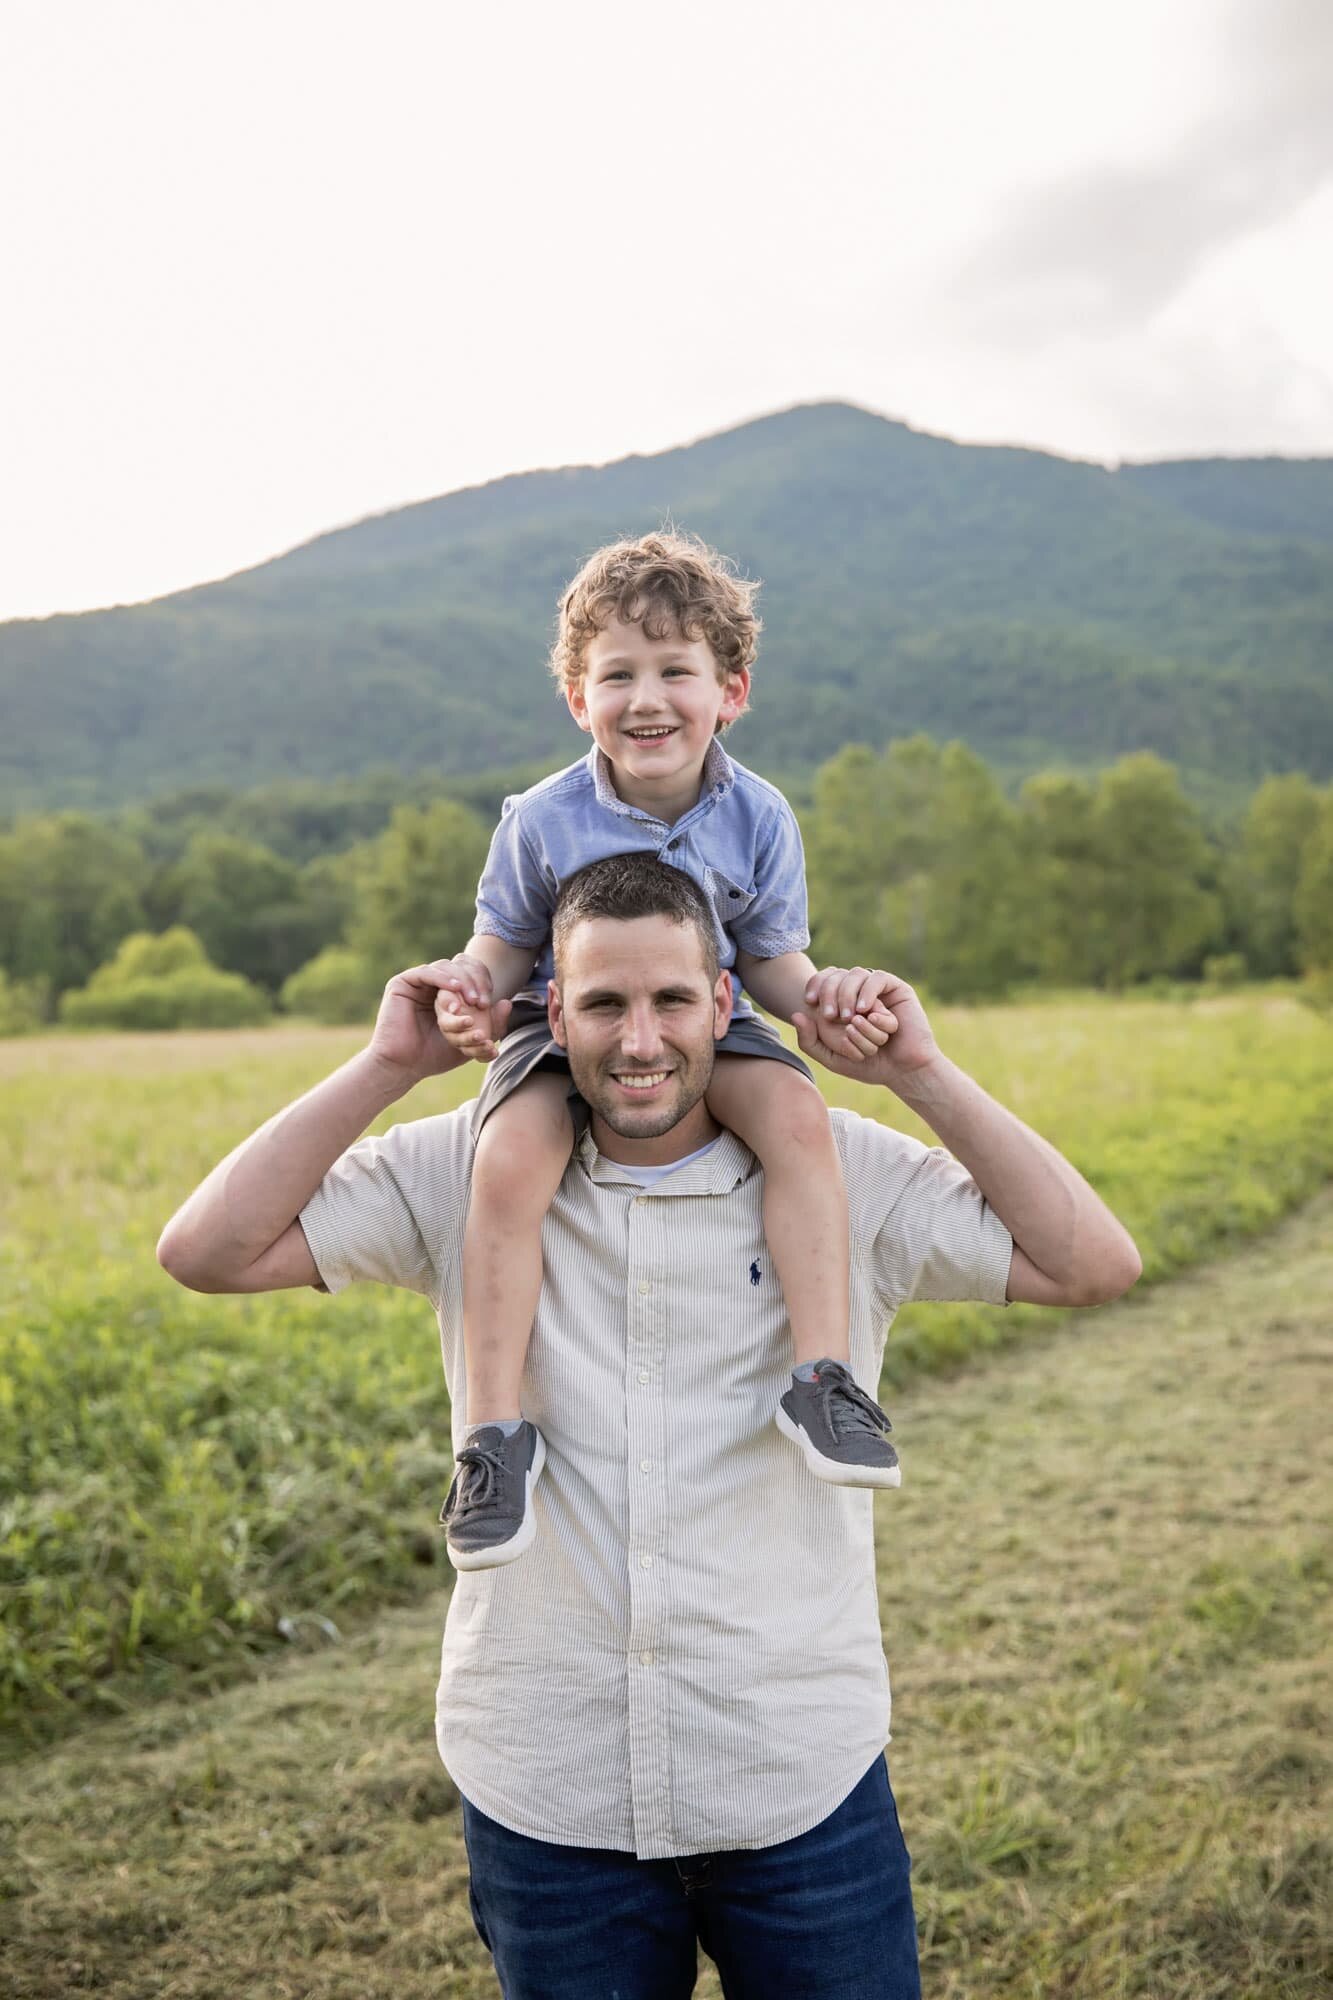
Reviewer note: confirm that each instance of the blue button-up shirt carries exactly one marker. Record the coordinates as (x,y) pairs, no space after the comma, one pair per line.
(739,842)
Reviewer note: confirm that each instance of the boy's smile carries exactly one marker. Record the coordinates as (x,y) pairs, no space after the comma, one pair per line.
(652,707)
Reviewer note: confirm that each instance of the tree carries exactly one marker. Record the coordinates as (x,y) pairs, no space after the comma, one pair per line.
(1266,872)
(1157,914)
(1313,901)
(70,888)
(1063,926)
(416,888)
(246,904)
(912,864)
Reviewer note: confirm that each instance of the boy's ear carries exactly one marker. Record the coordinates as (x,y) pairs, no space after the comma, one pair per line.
(735,694)
(576,702)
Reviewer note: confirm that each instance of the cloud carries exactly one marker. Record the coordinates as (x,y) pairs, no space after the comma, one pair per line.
(1115,243)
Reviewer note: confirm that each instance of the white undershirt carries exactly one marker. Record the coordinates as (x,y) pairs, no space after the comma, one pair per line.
(650,1176)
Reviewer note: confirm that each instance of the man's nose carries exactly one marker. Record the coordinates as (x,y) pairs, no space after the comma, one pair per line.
(641,1034)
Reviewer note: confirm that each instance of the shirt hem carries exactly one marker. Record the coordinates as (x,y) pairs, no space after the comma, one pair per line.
(655,1850)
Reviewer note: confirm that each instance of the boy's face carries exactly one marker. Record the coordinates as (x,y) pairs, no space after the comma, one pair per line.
(652,705)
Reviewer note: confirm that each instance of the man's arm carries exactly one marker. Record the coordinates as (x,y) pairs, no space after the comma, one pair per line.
(239,1232)
(1069,1250)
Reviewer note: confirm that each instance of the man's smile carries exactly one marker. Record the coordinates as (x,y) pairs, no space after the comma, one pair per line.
(640,1079)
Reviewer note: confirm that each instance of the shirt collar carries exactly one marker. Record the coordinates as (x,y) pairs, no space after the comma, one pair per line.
(719,1172)
(717,779)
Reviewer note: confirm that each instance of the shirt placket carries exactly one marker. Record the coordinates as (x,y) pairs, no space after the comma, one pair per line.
(649,1637)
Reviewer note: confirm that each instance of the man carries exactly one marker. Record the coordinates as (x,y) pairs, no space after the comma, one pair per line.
(667,1721)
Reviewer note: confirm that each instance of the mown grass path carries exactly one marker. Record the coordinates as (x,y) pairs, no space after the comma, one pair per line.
(1105,1589)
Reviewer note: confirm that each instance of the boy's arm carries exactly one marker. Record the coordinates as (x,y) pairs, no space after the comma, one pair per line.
(778,984)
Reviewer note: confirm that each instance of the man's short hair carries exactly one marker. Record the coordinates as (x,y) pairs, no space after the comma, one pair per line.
(627,886)
(664,582)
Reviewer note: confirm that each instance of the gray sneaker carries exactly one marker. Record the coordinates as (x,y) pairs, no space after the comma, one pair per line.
(488,1515)
(840,1430)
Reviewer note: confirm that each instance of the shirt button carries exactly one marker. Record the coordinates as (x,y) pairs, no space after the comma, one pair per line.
(645,1562)
(645,1465)
(644,1376)
(645,1286)
(645,1659)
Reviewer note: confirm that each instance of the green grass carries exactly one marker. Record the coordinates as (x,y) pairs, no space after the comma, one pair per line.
(180,1474)
(1105,1598)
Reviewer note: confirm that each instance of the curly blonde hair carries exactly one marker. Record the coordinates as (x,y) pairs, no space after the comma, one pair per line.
(663,581)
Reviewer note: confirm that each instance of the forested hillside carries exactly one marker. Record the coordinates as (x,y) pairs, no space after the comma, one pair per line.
(1042,610)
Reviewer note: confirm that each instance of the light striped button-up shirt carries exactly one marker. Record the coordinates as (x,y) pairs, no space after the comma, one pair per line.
(688,1659)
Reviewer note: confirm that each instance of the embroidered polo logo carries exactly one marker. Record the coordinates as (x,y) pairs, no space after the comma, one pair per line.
(755,1273)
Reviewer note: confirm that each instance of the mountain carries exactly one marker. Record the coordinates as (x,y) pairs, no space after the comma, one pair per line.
(1045,610)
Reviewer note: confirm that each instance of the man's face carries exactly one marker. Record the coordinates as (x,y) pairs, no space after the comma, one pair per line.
(637,1012)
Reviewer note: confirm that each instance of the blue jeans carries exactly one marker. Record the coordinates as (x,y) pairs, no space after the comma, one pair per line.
(826,1916)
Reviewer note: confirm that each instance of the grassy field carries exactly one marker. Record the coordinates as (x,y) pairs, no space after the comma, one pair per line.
(183,1478)
(1105,1595)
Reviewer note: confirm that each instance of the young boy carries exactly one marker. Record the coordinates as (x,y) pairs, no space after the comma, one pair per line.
(653,656)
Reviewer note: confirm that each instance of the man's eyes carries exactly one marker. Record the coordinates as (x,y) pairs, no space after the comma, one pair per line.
(611,1006)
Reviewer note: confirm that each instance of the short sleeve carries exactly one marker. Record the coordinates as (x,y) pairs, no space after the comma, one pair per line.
(776,919)
(924,1225)
(515,897)
(390,1211)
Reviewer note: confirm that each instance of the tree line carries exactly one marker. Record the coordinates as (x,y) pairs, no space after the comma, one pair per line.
(917,858)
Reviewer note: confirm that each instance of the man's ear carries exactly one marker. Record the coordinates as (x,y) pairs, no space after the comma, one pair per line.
(555,1013)
(722,1005)
(577,703)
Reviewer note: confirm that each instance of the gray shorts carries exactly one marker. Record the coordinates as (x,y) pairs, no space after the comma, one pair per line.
(529,1046)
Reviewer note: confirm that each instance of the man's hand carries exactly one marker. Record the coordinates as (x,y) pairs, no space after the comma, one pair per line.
(407,1037)
(865,1024)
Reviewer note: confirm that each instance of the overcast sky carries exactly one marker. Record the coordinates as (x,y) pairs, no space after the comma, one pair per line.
(271,265)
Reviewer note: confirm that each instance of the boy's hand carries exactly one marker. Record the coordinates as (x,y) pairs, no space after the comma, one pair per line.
(472,1031)
(847,1011)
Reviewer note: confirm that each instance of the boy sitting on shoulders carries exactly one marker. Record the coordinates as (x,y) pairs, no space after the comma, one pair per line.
(656,641)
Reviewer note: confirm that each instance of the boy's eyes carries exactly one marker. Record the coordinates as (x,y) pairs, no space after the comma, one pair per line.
(623,673)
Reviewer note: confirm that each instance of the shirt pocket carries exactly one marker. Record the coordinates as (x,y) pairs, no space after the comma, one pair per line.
(729,899)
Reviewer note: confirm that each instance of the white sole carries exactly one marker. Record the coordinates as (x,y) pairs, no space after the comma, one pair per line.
(521,1540)
(827,1469)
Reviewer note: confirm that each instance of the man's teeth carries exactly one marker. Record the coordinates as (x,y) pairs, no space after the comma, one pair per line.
(648,1080)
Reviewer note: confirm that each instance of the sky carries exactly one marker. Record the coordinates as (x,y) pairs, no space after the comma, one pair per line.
(269,268)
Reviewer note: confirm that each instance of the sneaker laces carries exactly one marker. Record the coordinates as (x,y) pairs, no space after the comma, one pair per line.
(478,1471)
(845,1404)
